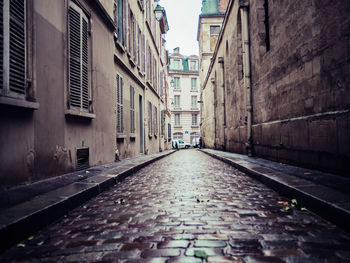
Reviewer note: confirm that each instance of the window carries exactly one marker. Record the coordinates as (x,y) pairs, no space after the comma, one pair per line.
(193,65)
(193,84)
(132,109)
(176,64)
(177,119)
(143,54)
(194,102)
(178,135)
(120,127)
(176,83)
(193,136)
(13,48)
(155,120)
(194,120)
(169,132)
(150,130)
(119,19)
(162,120)
(214,30)
(78,59)
(177,101)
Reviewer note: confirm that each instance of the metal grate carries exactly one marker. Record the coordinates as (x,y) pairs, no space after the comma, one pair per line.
(17,46)
(82,159)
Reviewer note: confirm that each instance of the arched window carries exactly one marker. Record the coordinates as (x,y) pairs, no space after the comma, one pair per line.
(178,135)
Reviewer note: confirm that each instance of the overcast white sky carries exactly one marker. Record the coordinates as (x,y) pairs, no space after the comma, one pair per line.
(183,22)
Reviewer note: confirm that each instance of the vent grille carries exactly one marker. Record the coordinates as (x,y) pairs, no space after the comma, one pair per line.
(17,46)
(82,159)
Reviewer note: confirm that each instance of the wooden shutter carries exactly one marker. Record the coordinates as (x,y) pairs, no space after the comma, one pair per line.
(125,24)
(132,109)
(17,46)
(1,43)
(120,127)
(78,58)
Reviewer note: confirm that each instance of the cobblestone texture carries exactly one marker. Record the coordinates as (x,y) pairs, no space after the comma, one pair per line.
(179,205)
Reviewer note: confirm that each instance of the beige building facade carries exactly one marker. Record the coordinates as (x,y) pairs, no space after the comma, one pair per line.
(184,95)
(276,85)
(70,92)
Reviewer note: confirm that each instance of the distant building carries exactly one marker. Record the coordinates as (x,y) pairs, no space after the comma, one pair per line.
(183,75)
(277,84)
(209,26)
(82,83)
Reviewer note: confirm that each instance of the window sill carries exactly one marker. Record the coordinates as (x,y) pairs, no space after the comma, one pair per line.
(177,90)
(132,62)
(194,90)
(132,135)
(196,109)
(19,103)
(121,136)
(118,44)
(69,112)
(178,126)
(195,126)
(177,108)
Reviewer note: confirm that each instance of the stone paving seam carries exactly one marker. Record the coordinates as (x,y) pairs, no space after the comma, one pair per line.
(24,219)
(331,211)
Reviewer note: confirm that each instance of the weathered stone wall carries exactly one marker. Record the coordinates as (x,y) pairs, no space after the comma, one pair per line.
(300,93)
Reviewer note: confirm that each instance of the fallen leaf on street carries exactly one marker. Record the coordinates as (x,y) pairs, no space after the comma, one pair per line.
(21,245)
(200,254)
(40,243)
(30,238)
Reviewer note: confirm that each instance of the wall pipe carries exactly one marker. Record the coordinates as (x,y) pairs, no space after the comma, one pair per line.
(247,77)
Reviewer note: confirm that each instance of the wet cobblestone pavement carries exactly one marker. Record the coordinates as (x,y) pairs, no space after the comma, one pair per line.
(187,207)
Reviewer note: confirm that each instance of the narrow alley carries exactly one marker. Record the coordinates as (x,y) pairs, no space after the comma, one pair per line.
(187,207)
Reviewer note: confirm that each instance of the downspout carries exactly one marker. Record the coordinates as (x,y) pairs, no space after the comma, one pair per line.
(247,77)
(222,63)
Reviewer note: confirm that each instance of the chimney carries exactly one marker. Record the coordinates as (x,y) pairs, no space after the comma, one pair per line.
(176,50)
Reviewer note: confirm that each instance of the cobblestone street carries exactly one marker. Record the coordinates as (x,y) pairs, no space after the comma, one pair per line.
(187,207)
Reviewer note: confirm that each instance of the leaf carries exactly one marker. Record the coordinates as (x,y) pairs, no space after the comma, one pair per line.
(307,173)
(87,172)
(85,207)
(287,208)
(30,238)
(200,254)
(40,243)
(21,245)
(294,201)
(283,203)
(303,209)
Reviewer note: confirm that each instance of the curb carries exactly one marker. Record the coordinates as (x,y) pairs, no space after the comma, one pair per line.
(27,218)
(330,211)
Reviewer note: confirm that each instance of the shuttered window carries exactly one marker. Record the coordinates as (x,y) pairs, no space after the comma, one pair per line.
(78,59)
(143,54)
(150,130)
(120,127)
(119,19)
(13,48)
(132,109)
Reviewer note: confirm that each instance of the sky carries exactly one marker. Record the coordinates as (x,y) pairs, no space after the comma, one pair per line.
(183,22)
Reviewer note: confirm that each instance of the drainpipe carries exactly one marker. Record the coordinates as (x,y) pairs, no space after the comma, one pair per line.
(221,62)
(247,77)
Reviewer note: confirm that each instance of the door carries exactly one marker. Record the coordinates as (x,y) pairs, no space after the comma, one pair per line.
(141,123)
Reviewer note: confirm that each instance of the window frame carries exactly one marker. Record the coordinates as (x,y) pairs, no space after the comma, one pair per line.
(177,119)
(7,22)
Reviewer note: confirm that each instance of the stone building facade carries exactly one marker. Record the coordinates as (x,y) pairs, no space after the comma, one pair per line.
(60,99)
(184,95)
(278,83)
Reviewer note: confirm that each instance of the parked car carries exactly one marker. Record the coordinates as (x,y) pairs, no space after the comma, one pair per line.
(180,144)
(195,142)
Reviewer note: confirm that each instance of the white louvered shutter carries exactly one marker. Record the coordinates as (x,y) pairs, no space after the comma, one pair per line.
(17,46)
(119,104)
(78,59)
